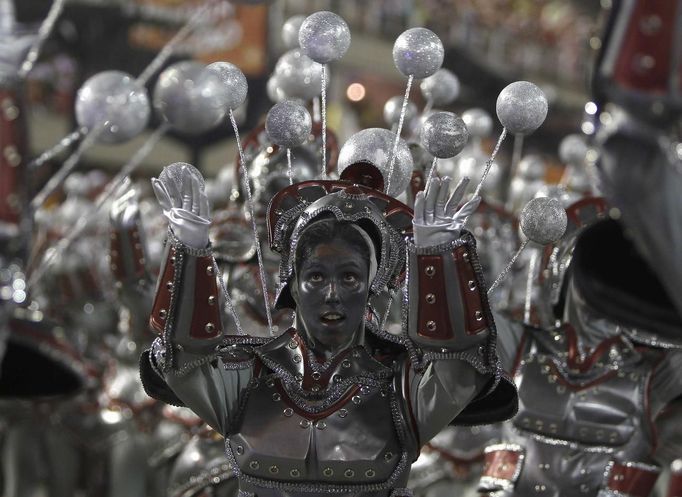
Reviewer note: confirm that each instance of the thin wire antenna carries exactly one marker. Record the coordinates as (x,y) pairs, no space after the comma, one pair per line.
(249,203)
(394,151)
(43,34)
(324,121)
(506,270)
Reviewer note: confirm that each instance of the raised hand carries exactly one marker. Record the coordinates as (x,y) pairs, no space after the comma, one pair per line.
(436,217)
(180,192)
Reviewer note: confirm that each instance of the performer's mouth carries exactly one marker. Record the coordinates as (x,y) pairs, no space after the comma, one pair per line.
(332,317)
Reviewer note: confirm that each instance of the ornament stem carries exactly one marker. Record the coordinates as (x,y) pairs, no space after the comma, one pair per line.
(252,213)
(290,172)
(324,120)
(489,163)
(56,149)
(431,171)
(43,33)
(507,268)
(403,110)
(529,286)
(427,107)
(64,243)
(316,110)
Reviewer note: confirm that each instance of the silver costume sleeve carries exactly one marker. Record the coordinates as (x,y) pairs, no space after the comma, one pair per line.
(191,354)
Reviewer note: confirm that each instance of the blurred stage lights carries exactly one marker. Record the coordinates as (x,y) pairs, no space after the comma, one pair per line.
(355,92)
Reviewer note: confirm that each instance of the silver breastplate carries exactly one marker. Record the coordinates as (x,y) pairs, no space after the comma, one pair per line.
(344,438)
(574,419)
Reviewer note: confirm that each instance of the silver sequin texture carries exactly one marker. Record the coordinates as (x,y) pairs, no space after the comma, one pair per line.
(288,124)
(441,88)
(190,98)
(374,145)
(444,134)
(113,96)
(418,52)
(297,75)
(324,37)
(543,220)
(521,107)
(290,30)
(392,109)
(234,83)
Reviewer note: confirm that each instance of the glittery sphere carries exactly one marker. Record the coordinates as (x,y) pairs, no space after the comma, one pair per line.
(543,220)
(290,31)
(324,37)
(288,124)
(441,88)
(531,168)
(374,146)
(115,97)
(233,80)
(299,76)
(444,134)
(479,123)
(521,107)
(572,150)
(418,52)
(392,109)
(274,89)
(192,99)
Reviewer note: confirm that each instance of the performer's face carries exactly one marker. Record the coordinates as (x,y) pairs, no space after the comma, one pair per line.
(331,294)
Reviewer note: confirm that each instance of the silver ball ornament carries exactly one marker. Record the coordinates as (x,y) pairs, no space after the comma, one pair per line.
(324,37)
(190,98)
(418,52)
(274,90)
(441,88)
(479,123)
(298,75)
(234,82)
(444,134)
(374,146)
(521,107)
(290,30)
(572,150)
(543,220)
(288,124)
(393,107)
(531,168)
(114,97)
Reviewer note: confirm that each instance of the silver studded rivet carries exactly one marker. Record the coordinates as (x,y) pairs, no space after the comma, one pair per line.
(162,313)
(254,465)
(430,298)
(472,285)
(345,363)
(240,450)
(370,473)
(356,399)
(430,271)
(328,472)
(349,473)
(210,327)
(478,315)
(320,425)
(304,423)
(210,270)
(294,473)
(348,205)
(431,325)
(297,358)
(383,393)
(273,470)
(343,413)
(388,456)
(293,344)
(315,388)
(288,412)
(276,397)
(316,375)
(270,382)
(169,285)
(211,300)
(364,389)
(465,256)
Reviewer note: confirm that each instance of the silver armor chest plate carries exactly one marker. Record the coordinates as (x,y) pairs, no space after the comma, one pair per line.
(572,423)
(343,434)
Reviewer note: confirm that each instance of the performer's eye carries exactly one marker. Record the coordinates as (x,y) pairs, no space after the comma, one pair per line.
(315,277)
(350,278)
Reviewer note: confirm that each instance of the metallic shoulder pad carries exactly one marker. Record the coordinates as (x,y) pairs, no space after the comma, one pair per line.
(448,305)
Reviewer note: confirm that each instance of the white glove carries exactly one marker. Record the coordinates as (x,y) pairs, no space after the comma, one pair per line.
(185,204)
(436,218)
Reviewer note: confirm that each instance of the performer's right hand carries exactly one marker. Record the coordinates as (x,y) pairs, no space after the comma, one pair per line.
(180,191)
